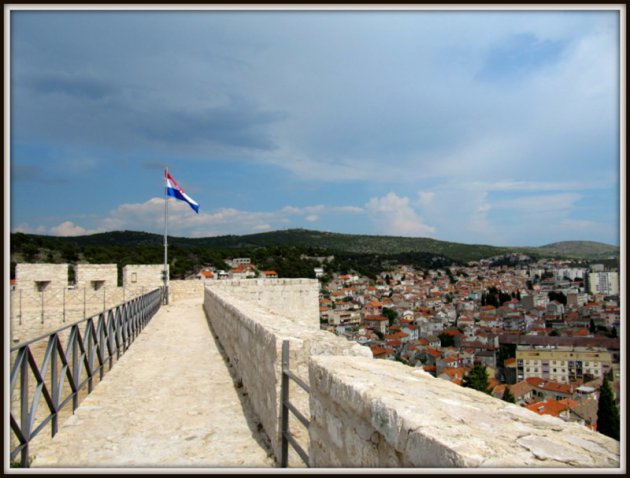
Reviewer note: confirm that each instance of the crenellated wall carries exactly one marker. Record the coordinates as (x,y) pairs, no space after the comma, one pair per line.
(366,412)
(95,276)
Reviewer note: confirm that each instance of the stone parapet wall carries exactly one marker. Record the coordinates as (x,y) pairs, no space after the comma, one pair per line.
(85,274)
(377,413)
(295,298)
(33,314)
(185,290)
(148,275)
(251,336)
(27,275)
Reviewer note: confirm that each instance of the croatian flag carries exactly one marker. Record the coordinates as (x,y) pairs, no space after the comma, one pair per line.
(173,189)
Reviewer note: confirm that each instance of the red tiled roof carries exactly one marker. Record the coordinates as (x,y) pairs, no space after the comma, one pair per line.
(547,407)
(379,318)
(376,350)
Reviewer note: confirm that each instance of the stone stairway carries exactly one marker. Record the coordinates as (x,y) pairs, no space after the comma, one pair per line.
(169,402)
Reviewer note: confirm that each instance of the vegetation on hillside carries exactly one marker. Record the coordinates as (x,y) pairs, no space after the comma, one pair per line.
(291,253)
(188,256)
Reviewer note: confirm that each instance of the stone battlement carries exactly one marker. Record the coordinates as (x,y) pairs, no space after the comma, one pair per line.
(366,412)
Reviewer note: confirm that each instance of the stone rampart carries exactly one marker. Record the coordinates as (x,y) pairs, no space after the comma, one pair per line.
(41,276)
(251,336)
(378,413)
(33,313)
(185,290)
(148,275)
(295,298)
(95,276)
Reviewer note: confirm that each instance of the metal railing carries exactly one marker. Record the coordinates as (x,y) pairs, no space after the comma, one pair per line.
(93,344)
(287,407)
(64,304)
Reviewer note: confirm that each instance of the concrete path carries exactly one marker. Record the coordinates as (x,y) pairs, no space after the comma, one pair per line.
(169,402)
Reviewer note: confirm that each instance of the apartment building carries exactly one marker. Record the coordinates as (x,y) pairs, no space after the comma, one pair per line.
(562,364)
(603,283)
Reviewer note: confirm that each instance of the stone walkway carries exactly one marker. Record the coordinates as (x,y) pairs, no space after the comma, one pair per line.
(168,402)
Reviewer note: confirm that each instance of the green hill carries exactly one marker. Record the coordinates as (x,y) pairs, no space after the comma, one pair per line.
(580,249)
(325,241)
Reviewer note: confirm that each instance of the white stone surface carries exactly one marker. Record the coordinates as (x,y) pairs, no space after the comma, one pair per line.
(85,274)
(148,275)
(26,275)
(37,313)
(392,416)
(168,402)
(252,336)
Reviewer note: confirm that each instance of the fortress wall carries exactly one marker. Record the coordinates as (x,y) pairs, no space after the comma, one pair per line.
(27,275)
(252,336)
(378,413)
(295,298)
(147,275)
(86,274)
(185,290)
(33,314)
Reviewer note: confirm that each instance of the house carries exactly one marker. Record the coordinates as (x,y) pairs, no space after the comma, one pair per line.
(549,406)
(270,274)
(376,322)
(205,275)
(453,374)
(374,307)
(382,352)
(242,271)
(523,392)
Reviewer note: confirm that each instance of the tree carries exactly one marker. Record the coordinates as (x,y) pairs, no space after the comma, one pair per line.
(591,327)
(559,296)
(507,395)
(477,379)
(607,412)
(613,332)
(446,340)
(391,314)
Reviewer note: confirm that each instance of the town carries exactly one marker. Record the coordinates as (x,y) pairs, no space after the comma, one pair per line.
(545,333)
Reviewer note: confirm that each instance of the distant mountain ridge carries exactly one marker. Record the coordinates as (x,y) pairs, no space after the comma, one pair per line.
(354,243)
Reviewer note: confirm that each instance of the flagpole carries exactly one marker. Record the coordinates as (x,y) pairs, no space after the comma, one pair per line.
(165,271)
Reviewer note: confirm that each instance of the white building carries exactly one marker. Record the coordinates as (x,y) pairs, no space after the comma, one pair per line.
(603,283)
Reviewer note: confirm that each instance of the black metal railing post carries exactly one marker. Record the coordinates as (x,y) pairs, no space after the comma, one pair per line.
(284,421)
(286,437)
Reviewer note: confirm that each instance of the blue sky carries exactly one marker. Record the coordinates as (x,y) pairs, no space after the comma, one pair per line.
(485,127)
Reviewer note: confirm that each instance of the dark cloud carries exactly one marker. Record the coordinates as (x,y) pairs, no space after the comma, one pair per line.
(78,86)
(35,174)
(238,124)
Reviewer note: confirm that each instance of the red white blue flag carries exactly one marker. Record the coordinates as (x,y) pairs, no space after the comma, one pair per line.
(173,189)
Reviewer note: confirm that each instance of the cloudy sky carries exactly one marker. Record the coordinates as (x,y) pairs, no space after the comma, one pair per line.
(486,127)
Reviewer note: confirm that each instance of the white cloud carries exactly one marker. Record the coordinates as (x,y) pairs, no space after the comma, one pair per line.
(349,209)
(27,229)
(540,204)
(262,227)
(393,215)
(183,221)
(68,228)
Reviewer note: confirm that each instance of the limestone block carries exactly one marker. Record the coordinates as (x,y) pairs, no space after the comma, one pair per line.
(422,421)
(96,275)
(27,276)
